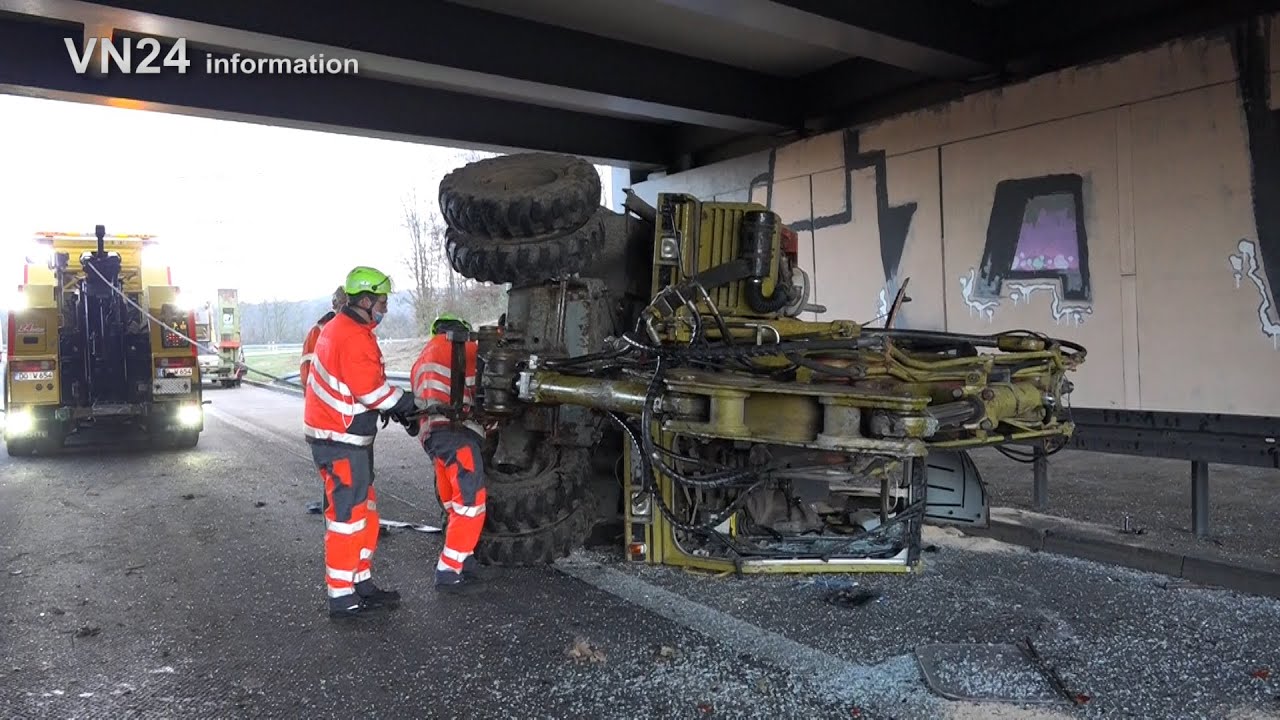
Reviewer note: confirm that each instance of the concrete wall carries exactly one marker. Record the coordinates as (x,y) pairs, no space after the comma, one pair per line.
(1132,206)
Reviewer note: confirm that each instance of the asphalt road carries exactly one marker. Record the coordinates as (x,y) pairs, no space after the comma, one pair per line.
(188,584)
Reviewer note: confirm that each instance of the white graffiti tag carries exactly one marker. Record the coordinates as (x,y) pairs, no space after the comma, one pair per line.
(1019,292)
(983,308)
(1073,313)
(1245,263)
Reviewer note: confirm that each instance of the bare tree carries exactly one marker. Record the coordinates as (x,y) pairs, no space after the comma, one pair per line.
(419,262)
(280,320)
(436,287)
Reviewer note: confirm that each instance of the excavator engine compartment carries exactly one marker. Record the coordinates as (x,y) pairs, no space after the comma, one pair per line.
(665,373)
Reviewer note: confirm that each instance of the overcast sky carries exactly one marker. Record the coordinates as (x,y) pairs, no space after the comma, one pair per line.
(271,211)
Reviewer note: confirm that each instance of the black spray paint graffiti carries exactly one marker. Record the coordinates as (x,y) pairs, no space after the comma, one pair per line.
(1250,46)
(1036,242)
(894,221)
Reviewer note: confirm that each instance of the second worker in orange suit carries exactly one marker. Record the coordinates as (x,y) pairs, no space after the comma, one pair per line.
(309,343)
(455,448)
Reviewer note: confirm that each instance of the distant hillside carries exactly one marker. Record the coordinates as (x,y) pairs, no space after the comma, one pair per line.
(286,321)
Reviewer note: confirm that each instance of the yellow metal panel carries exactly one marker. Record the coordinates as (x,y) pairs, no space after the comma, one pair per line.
(35,333)
(153,275)
(40,297)
(128,247)
(24,388)
(160,295)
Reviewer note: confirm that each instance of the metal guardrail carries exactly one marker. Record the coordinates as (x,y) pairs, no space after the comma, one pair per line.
(1202,438)
(1252,440)
(395,378)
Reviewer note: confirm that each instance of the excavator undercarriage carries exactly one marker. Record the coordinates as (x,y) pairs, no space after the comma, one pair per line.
(653,379)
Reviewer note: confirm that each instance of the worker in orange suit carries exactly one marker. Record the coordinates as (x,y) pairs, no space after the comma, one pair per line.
(347,393)
(309,344)
(454,445)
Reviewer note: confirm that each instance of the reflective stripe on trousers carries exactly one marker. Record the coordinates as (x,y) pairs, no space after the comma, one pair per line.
(460,483)
(350,515)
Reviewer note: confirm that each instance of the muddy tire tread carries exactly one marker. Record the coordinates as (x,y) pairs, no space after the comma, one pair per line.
(530,262)
(474,204)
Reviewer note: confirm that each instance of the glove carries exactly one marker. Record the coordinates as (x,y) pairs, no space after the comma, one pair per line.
(386,418)
(412,427)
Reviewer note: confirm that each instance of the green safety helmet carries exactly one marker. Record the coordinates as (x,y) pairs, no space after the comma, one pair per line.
(448,318)
(364,279)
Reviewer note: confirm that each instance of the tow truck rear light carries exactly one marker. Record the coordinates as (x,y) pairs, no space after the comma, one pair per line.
(26,366)
(184,361)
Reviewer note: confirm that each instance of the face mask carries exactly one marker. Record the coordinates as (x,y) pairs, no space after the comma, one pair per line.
(377,317)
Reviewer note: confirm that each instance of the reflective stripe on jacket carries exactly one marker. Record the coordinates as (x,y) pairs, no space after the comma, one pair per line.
(347,386)
(432,376)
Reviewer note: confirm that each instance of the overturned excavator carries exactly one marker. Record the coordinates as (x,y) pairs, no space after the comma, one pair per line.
(652,380)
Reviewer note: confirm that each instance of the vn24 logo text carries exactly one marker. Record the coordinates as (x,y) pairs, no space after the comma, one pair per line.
(122,56)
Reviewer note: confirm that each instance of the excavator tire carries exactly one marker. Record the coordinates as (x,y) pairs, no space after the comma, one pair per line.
(548,491)
(526,261)
(539,546)
(520,196)
(536,518)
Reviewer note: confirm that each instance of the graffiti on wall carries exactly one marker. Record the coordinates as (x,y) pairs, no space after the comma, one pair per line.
(1260,261)
(1036,245)
(893,221)
(1245,264)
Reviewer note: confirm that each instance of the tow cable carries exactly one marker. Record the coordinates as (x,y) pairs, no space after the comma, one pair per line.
(203,348)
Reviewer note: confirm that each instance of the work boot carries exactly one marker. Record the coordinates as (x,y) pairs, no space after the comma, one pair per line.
(453,582)
(352,607)
(375,596)
(471,569)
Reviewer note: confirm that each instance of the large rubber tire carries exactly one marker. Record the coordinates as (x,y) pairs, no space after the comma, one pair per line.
(536,517)
(520,196)
(547,492)
(525,262)
(540,546)
(19,448)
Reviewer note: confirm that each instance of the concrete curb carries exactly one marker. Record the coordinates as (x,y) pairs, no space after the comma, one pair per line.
(1050,535)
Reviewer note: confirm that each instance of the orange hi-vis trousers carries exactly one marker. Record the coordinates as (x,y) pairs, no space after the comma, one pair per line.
(460,483)
(350,514)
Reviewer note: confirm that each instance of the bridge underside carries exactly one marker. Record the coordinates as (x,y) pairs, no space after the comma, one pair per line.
(645,84)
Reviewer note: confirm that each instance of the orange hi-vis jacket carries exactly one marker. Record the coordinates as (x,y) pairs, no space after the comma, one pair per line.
(348,385)
(432,375)
(309,348)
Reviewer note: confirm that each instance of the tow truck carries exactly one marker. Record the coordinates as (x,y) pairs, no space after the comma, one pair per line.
(99,339)
(221,353)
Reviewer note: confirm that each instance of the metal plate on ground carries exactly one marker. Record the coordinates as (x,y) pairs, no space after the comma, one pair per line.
(985,673)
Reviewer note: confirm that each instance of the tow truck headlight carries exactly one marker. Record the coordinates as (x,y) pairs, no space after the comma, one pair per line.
(190,415)
(19,423)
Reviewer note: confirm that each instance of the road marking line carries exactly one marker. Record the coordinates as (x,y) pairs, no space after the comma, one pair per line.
(260,432)
(841,679)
